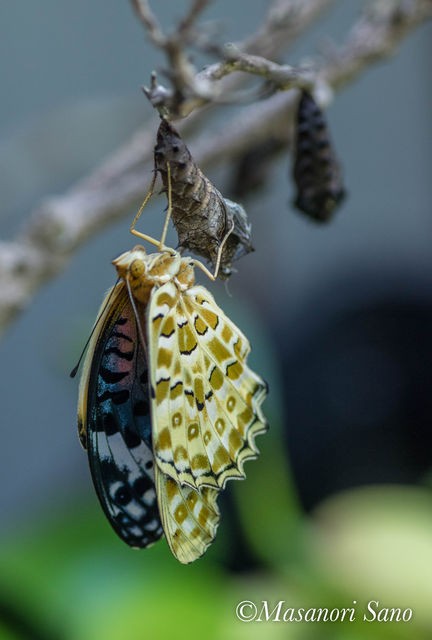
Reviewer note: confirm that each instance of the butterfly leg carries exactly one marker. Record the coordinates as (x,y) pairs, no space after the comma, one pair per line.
(141,209)
(160,244)
(204,269)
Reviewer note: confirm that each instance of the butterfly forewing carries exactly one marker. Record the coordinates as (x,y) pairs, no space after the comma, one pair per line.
(114,419)
(205,399)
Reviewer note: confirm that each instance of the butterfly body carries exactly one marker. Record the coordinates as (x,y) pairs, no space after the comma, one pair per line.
(168,408)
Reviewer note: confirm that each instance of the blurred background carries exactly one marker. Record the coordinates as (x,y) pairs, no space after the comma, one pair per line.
(338,508)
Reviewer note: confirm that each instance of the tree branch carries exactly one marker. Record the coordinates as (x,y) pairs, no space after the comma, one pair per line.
(62,224)
(191,90)
(149,21)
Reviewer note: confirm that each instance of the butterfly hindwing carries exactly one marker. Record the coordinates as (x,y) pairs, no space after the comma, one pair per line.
(190,517)
(114,419)
(205,399)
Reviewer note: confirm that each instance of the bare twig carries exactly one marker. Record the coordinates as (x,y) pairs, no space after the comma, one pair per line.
(64,223)
(285,21)
(374,37)
(283,76)
(192,90)
(186,25)
(181,70)
(148,19)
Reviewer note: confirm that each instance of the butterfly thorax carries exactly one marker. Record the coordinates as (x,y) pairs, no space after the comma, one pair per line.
(143,271)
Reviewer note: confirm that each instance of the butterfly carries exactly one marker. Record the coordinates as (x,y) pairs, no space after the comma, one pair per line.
(168,407)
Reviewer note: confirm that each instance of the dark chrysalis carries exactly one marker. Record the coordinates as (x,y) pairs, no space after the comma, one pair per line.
(317,172)
(201,215)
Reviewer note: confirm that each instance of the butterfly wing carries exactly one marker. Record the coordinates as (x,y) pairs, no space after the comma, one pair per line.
(114,423)
(190,518)
(206,401)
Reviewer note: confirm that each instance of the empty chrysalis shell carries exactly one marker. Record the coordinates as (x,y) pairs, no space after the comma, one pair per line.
(201,215)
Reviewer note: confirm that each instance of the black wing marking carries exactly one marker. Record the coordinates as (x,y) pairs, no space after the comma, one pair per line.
(118,426)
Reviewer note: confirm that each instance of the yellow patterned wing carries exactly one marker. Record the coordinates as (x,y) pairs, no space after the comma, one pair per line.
(189,517)
(206,401)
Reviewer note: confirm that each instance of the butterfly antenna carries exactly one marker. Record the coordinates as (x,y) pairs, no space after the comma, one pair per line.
(76,367)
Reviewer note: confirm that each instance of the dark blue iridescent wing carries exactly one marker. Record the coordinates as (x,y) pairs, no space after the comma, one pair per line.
(114,422)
